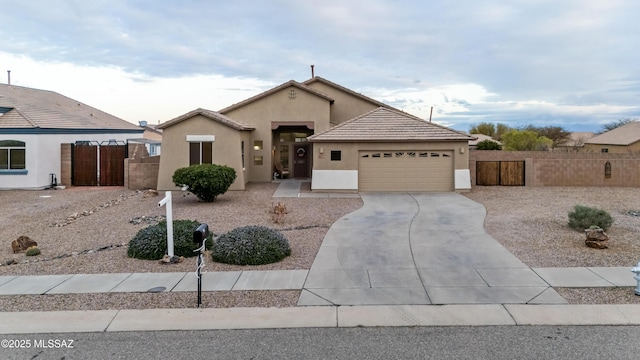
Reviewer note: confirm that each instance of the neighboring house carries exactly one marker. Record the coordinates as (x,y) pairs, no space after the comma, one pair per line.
(151,141)
(576,140)
(623,139)
(473,144)
(33,125)
(266,137)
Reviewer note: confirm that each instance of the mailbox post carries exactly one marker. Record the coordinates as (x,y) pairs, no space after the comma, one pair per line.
(167,201)
(200,235)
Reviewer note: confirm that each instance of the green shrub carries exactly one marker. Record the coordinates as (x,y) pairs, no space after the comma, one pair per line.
(33,251)
(583,217)
(206,181)
(251,245)
(150,243)
(488,145)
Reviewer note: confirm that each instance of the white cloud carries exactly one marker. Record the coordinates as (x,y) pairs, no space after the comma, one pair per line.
(132,96)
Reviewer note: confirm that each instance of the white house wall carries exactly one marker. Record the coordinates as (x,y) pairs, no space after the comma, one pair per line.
(42,157)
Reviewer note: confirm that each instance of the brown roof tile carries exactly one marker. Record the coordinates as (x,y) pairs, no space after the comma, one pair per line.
(388,125)
(623,135)
(213,115)
(35,108)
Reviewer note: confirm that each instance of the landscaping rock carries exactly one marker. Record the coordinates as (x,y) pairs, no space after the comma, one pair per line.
(22,243)
(596,238)
(171,260)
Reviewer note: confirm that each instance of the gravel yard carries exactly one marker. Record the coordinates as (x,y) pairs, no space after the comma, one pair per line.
(85,230)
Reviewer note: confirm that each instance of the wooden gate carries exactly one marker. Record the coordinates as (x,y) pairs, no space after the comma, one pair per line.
(85,165)
(112,165)
(505,173)
(110,159)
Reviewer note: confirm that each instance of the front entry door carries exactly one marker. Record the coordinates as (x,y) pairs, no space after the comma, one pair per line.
(301,161)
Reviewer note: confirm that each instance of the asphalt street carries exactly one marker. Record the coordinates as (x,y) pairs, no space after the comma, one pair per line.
(460,342)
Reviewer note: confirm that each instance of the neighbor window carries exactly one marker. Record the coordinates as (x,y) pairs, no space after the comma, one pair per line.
(336,155)
(258,160)
(200,153)
(257,145)
(12,155)
(604,150)
(242,152)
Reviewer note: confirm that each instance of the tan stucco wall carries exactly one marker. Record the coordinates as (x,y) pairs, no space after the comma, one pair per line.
(226,149)
(613,149)
(346,106)
(322,153)
(277,107)
(152,135)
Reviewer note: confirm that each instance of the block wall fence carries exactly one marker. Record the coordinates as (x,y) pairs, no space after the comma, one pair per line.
(544,168)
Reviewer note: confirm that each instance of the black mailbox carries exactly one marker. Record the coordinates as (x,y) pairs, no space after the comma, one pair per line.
(201,233)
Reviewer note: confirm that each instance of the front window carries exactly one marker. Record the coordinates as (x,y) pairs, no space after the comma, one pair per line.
(12,155)
(200,153)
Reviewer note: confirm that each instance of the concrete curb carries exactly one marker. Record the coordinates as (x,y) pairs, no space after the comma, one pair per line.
(318,317)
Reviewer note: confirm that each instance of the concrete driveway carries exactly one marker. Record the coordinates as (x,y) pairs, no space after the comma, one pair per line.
(418,248)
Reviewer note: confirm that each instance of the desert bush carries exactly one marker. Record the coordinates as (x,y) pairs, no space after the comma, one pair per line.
(206,181)
(250,245)
(150,243)
(488,145)
(583,217)
(33,251)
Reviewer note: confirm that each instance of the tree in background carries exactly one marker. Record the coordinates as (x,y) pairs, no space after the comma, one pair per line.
(489,129)
(500,130)
(556,133)
(616,124)
(525,140)
(484,129)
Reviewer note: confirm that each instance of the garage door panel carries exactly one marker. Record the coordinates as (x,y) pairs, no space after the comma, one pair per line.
(401,170)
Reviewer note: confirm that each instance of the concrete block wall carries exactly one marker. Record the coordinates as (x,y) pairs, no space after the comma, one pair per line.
(65,165)
(141,173)
(543,168)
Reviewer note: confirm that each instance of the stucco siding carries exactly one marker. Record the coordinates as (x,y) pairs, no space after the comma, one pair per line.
(346,106)
(278,107)
(226,149)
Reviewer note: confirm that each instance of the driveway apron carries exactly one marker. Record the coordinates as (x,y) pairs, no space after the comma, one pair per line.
(418,248)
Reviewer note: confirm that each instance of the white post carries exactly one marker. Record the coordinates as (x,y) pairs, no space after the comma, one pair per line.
(167,201)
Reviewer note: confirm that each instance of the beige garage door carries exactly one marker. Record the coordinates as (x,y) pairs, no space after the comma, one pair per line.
(405,170)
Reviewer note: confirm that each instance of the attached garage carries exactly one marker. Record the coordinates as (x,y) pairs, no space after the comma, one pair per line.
(389,150)
(401,170)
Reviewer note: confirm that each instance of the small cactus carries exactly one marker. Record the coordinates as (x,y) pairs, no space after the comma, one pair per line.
(33,251)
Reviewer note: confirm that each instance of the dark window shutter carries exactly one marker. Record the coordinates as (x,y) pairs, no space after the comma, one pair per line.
(207,152)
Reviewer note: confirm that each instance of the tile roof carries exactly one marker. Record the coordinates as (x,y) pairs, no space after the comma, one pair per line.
(623,135)
(273,91)
(347,90)
(213,115)
(576,138)
(388,125)
(30,108)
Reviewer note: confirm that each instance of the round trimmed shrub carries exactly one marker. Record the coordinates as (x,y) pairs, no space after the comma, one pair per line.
(584,217)
(206,181)
(150,243)
(33,251)
(251,245)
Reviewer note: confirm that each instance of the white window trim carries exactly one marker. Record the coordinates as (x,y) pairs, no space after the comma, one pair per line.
(201,138)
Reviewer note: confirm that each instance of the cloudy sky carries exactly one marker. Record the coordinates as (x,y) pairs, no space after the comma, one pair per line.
(569,63)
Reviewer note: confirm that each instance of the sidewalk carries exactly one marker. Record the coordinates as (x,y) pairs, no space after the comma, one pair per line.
(260,280)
